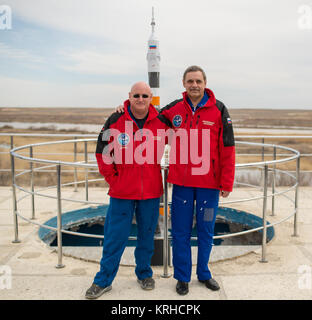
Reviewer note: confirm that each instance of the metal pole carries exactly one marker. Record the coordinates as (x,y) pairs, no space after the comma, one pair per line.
(262,149)
(165,224)
(273,182)
(59,219)
(264,235)
(32,185)
(86,170)
(296,198)
(262,159)
(75,168)
(16,240)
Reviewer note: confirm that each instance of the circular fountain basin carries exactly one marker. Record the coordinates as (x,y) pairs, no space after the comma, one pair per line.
(91,221)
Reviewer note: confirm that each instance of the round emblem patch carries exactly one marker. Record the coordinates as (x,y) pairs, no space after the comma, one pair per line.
(177,120)
(123,139)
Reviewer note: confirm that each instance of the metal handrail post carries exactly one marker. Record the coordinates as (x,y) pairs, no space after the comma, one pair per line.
(264,208)
(262,159)
(59,219)
(15,221)
(32,184)
(75,168)
(262,150)
(165,226)
(12,142)
(86,170)
(273,182)
(296,198)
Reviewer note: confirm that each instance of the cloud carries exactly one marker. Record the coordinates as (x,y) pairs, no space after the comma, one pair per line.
(30,93)
(102,19)
(98,63)
(22,55)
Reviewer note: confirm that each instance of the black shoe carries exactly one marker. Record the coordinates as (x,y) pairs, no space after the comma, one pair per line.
(96,291)
(211,284)
(147,283)
(182,288)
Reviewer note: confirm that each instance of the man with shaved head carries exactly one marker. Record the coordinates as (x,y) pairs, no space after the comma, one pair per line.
(124,149)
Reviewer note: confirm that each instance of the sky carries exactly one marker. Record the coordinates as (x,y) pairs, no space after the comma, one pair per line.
(74,53)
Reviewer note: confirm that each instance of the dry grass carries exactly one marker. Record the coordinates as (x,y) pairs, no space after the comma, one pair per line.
(265,118)
(57,115)
(57,152)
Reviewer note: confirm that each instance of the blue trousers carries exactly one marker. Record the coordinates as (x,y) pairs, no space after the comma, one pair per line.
(117,229)
(182,211)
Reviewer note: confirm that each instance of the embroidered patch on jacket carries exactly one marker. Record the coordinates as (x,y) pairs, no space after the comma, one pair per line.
(208,123)
(229,121)
(123,139)
(177,120)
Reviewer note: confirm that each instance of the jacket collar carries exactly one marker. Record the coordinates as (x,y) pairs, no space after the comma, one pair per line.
(211,101)
(152,112)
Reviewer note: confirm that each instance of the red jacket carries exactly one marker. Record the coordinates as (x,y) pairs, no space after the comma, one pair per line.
(218,172)
(130,172)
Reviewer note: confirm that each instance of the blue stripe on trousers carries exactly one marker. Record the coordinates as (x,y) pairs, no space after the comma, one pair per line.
(117,229)
(183,202)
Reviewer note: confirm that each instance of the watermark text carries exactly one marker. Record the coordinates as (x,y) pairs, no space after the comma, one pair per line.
(147,147)
(5,17)
(305,17)
(5,277)
(305,277)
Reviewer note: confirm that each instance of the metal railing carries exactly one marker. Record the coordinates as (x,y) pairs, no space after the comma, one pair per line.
(266,167)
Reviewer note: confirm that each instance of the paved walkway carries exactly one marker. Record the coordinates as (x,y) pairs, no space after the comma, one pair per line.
(286,275)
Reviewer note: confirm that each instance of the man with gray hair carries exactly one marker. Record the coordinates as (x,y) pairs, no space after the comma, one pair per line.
(200,111)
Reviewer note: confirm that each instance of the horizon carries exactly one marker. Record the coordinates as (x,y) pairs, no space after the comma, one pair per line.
(229,107)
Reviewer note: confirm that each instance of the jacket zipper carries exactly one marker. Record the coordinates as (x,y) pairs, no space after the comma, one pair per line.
(186,118)
(193,118)
(197,120)
(142,189)
(185,171)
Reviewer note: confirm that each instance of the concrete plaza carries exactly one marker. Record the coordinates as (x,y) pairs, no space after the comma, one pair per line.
(286,275)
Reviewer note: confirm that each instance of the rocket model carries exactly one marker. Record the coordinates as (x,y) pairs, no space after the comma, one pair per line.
(153,59)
